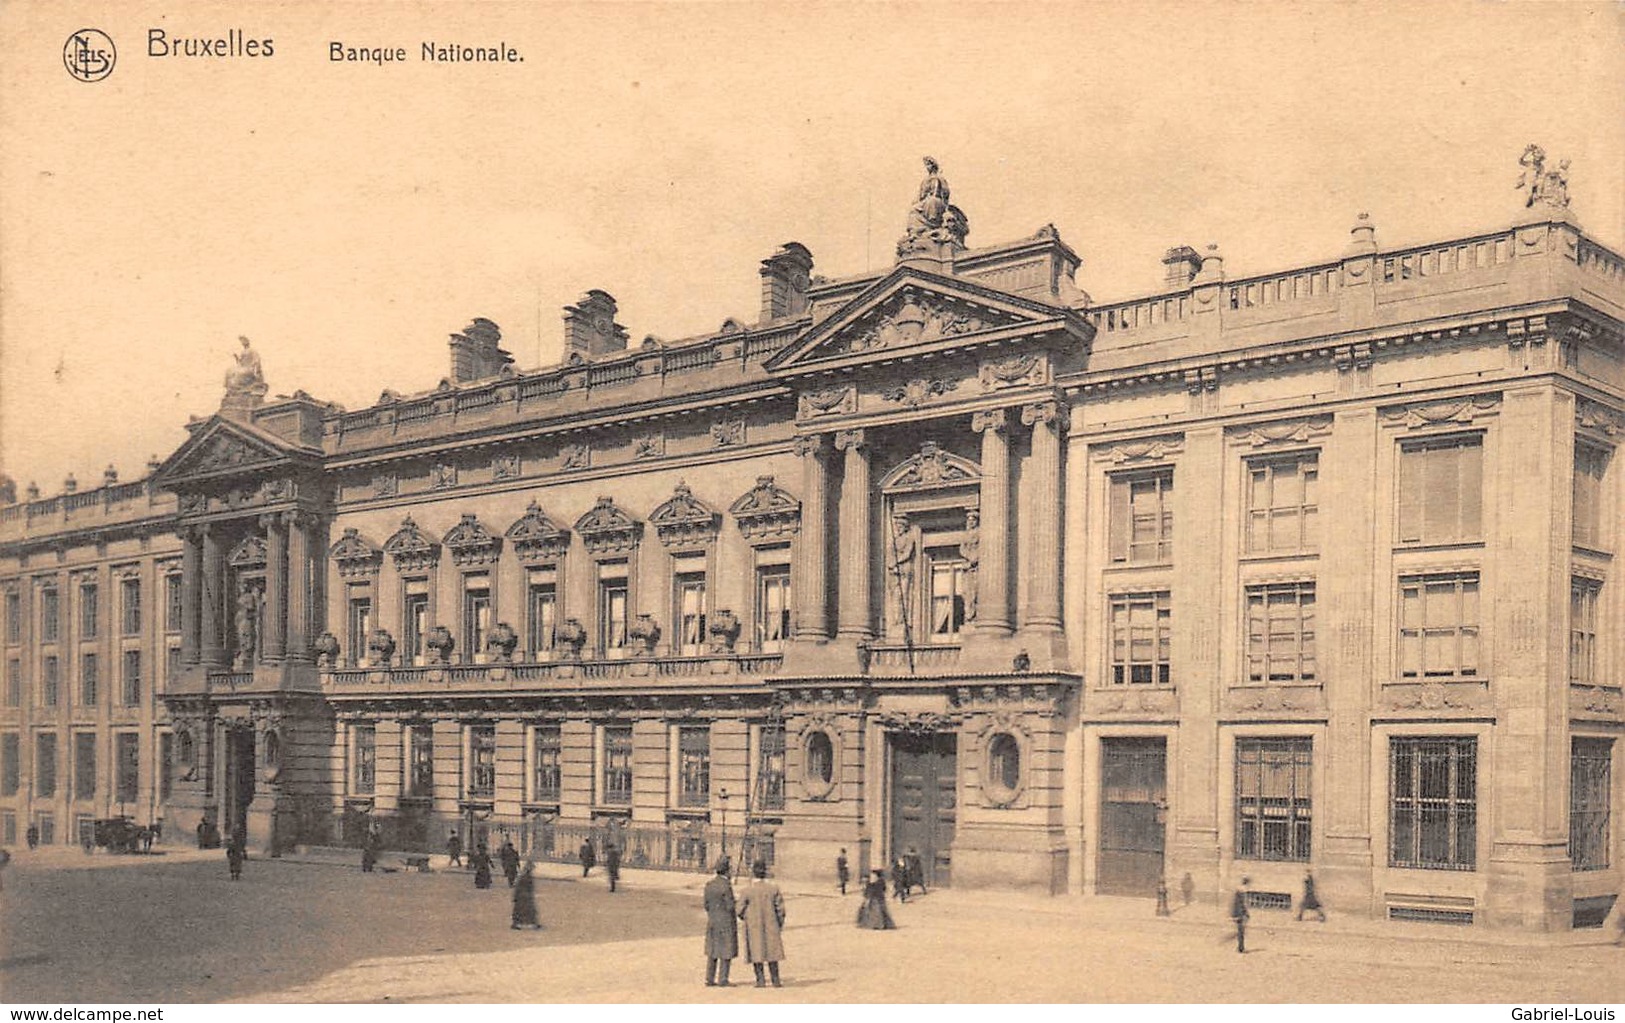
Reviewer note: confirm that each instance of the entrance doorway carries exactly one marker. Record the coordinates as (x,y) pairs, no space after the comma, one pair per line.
(239,781)
(923,810)
(1133,812)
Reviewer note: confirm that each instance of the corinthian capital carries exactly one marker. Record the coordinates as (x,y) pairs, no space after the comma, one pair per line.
(1041,413)
(809,445)
(848,440)
(993,419)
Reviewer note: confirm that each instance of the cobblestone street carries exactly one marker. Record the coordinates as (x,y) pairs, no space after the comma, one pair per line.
(176,929)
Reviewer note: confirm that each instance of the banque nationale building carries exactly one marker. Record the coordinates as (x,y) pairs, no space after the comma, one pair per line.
(1312,569)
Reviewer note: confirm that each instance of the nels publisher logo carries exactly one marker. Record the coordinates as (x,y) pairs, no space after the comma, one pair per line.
(89,55)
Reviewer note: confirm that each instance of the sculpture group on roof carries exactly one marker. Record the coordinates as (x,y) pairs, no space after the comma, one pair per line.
(933,220)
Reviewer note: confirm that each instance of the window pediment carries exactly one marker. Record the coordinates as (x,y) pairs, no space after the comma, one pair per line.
(250,553)
(411,548)
(355,555)
(535,537)
(932,467)
(767,511)
(607,529)
(684,519)
(470,543)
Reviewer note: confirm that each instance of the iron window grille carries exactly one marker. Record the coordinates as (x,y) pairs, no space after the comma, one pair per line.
(174,603)
(1433,797)
(127,767)
(45,764)
(49,615)
(549,749)
(130,598)
(84,765)
(770,771)
(1590,792)
(1283,503)
(420,761)
(89,680)
(482,762)
(132,678)
(364,778)
(1273,798)
(89,617)
(693,765)
(11,763)
(50,674)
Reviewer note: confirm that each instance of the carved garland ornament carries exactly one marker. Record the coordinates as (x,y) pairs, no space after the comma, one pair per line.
(606,529)
(1151,449)
(1016,371)
(411,548)
(250,553)
(831,402)
(728,434)
(575,456)
(649,445)
(505,467)
(1291,431)
(1593,415)
(767,511)
(1436,413)
(918,391)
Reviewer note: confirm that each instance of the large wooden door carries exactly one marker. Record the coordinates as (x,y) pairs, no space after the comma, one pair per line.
(924,807)
(1133,811)
(240,764)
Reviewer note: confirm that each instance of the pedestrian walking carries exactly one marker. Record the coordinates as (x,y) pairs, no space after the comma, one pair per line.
(916,870)
(873,914)
(369,855)
(510,861)
(721,926)
(32,837)
(1187,888)
(589,857)
(5,858)
(762,908)
(480,860)
(1311,901)
(899,879)
(234,859)
(1238,913)
(612,865)
(1162,896)
(524,900)
(454,849)
(842,874)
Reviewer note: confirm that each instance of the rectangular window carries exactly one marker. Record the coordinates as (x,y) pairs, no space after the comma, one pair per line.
(8,827)
(11,763)
(420,761)
(1273,799)
(1283,503)
(364,775)
(50,622)
(1583,594)
(612,614)
(89,680)
(127,761)
(1433,803)
(44,764)
(84,765)
(1441,490)
(1590,794)
(549,756)
(770,767)
(482,761)
(948,594)
(476,616)
(1590,465)
(1140,638)
(14,617)
(166,766)
(1141,517)
(50,680)
(130,602)
(14,683)
(1438,627)
(173,602)
(172,661)
(617,779)
(542,616)
(772,608)
(1281,633)
(132,678)
(89,612)
(689,612)
(693,765)
(414,621)
(358,626)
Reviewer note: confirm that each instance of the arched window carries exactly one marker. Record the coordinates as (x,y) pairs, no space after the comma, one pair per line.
(1003,766)
(820,762)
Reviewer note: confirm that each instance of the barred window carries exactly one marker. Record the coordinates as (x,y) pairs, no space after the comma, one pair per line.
(1590,465)
(127,767)
(50,677)
(1141,517)
(1583,594)
(1433,797)
(1438,626)
(89,611)
(482,761)
(770,768)
(1281,633)
(1273,798)
(45,763)
(1590,793)
(84,765)
(549,750)
(617,778)
(693,765)
(130,597)
(1283,503)
(420,761)
(1140,638)
(89,680)
(364,777)
(11,763)
(1441,490)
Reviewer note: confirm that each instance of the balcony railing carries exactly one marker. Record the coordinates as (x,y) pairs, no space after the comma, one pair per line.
(885,660)
(508,675)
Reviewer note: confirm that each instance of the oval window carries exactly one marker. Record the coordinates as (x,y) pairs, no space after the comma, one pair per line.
(820,761)
(1004,764)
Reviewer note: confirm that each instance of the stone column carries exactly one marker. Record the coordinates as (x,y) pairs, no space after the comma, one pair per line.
(191,592)
(274,642)
(993,574)
(1041,530)
(299,594)
(855,614)
(212,600)
(811,593)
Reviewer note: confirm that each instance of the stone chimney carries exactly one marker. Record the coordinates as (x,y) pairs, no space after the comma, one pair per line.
(475,353)
(785,276)
(70,485)
(1212,270)
(1181,264)
(590,329)
(109,476)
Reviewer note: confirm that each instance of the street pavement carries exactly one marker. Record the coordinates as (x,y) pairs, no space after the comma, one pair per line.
(176,929)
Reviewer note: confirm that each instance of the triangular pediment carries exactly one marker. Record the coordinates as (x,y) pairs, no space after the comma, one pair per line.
(913,308)
(222,447)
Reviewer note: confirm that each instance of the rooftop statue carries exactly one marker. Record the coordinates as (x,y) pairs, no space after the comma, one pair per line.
(1545,186)
(933,221)
(245,381)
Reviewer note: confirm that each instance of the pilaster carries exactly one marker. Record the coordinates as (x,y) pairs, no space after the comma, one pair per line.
(855,611)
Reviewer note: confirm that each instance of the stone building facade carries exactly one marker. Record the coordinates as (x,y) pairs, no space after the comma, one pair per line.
(1308,570)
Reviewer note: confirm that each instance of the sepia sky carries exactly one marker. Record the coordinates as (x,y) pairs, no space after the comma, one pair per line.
(347,218)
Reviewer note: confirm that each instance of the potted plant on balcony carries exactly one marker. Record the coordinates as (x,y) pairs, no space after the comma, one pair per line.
(440,641)
(380,647)
(327,650)
(645,631)
(569,637)
(724,629)
(502,641)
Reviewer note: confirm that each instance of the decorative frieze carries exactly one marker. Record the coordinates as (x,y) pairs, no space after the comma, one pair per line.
(766,512)
(442,476)
(912,319)
(411,549)
(1154,702)
(355,555)
(470,543)
(536,538)
(1028,370)
(1274,699)
(1595,701)
(648,445)
(1422,414)
(918,391)
(728,434)
(1142,449)
(505,467)
(1287,431)
(1434,696)
(385,485)
(683,520)
(575,456)
(832,401)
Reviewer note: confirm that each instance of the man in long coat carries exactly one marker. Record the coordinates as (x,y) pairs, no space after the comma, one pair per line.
(589,857)
(612,865)
(1238,913)
(510,861)
(721,927)
(762,908)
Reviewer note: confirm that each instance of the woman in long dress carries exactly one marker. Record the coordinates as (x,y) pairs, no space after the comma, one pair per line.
(873,914)
(481,861)
(524,900)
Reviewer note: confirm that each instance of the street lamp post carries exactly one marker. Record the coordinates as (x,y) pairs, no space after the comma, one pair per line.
(722,799)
